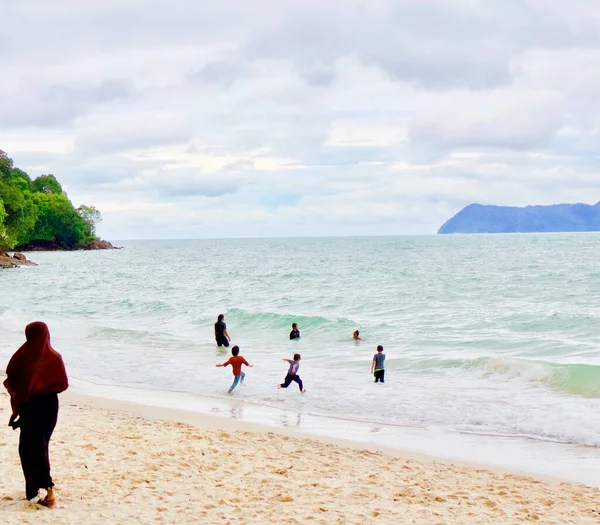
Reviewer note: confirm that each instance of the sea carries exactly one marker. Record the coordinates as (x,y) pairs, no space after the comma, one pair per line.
(492,342)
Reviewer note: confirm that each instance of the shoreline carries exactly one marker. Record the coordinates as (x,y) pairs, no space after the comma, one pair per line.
(506,454)
(98,244)
(15,260)
(19,259)
(118,462)
(204,420)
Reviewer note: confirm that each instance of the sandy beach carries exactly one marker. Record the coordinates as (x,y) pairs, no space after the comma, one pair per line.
(118,463)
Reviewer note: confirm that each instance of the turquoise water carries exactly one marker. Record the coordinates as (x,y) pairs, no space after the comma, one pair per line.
(492,335)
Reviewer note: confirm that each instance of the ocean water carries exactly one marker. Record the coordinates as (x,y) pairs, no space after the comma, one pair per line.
(491,336)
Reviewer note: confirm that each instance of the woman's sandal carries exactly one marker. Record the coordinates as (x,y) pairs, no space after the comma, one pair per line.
(49,501)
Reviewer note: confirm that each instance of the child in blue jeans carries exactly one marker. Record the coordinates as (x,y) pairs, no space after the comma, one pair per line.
(236,361)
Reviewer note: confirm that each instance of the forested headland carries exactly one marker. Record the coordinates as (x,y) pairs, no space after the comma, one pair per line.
(554,218)
(37,214)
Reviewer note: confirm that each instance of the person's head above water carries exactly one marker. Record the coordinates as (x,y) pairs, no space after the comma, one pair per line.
(297,357)
(380,348)
(220,318)
(356,333)
(235,350)
(294,326)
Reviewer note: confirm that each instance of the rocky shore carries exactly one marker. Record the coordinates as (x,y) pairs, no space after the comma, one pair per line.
(18,259)
(55,247)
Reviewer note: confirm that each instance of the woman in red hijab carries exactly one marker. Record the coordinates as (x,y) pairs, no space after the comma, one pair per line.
(34,376)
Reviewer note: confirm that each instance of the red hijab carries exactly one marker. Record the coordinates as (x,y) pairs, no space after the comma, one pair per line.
(35,368)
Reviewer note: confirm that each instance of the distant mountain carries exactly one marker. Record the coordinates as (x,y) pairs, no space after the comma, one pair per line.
(479,218)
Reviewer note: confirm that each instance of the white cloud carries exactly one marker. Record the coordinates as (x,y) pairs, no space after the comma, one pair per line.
(356,134)
(184,119)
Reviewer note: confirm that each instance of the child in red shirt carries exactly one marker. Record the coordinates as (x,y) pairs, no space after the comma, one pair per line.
(236,362)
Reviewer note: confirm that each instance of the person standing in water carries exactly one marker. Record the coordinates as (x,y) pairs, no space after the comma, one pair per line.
(356,336)
(34,377)
(221,333)
(236,361)
(377,366)
(292,374)
(295,333)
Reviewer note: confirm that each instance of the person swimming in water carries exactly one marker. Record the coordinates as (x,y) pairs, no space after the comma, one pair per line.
(295,333)
(221,334)
(356,336)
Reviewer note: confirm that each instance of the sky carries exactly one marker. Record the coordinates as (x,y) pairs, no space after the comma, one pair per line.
(190,119)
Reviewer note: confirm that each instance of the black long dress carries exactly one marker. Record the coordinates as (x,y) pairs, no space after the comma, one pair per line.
(37,419)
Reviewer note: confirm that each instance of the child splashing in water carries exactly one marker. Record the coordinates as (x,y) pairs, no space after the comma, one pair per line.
(236,361)
(292,374)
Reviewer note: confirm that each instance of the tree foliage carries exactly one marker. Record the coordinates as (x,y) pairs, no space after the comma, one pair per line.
(38,212)
(91,215)
(46,184)
(3,233)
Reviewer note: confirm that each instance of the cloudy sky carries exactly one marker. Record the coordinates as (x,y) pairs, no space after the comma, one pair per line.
(189,118)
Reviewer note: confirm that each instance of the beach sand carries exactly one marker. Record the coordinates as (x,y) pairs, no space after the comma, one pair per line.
(119,463)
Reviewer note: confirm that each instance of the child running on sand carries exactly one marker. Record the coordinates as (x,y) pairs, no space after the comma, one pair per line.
(292,374)
(236,361)
(377,366)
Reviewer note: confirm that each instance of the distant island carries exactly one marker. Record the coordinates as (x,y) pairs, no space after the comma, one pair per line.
(479,218)
(36,214)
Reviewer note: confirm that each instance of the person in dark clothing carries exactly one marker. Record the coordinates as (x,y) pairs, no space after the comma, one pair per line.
(292,374)
(221,334)
(34,377)
(295,333)
(377,366)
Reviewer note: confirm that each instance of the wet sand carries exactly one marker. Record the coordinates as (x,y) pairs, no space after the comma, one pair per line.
(116,462)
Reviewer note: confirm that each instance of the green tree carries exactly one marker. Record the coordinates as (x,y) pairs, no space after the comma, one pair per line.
(21,213)
(3,234)
(57,222)
(91,216)
(46,184)
(6,165)
(39,212)
(11,175)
